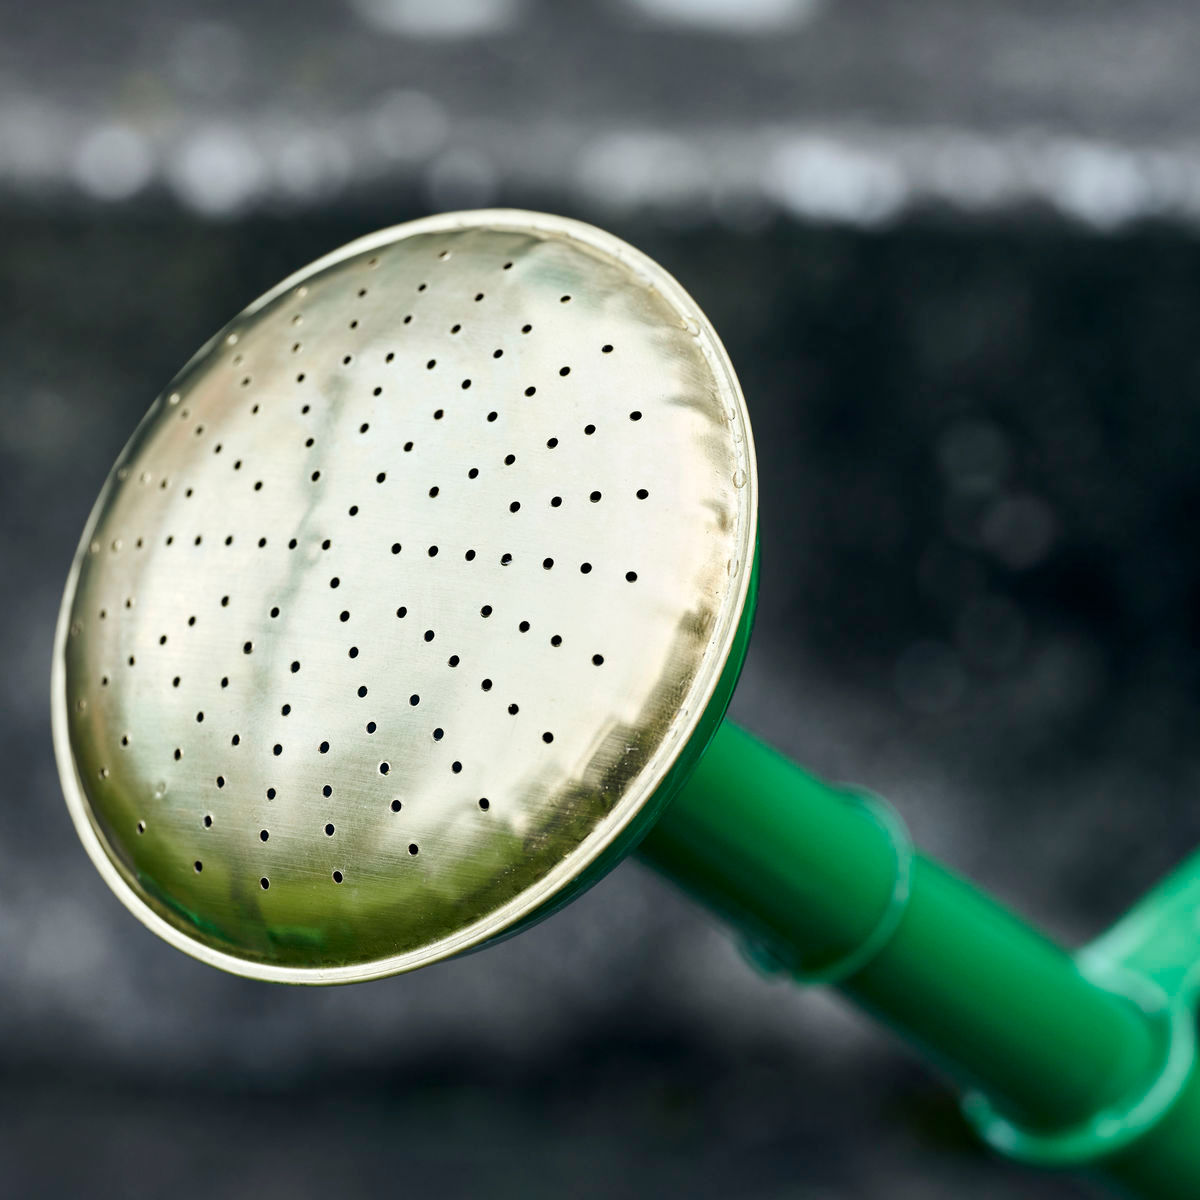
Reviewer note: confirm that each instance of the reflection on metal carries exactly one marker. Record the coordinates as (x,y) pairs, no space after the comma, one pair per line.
(404,598)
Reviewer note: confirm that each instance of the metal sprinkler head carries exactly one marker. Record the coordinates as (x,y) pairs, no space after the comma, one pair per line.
(410,601)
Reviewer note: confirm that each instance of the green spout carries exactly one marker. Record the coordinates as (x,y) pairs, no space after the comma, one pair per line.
(1066,1059)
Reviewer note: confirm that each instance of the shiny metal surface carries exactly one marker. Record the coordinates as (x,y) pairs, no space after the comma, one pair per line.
(404,597)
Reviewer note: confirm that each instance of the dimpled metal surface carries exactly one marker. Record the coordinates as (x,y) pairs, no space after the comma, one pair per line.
(404,597)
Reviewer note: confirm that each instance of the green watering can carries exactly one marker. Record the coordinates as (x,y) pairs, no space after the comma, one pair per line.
(416,601)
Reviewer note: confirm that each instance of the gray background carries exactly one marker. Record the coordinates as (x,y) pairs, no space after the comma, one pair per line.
(952,251)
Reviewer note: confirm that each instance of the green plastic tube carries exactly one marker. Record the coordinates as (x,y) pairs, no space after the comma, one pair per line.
(823,883)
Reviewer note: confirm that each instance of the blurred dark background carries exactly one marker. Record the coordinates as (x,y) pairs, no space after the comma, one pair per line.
(953,252)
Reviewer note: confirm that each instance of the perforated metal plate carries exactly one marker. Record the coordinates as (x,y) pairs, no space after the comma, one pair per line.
(404,597)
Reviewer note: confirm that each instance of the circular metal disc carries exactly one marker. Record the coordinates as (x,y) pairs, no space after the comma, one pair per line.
(404,597)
